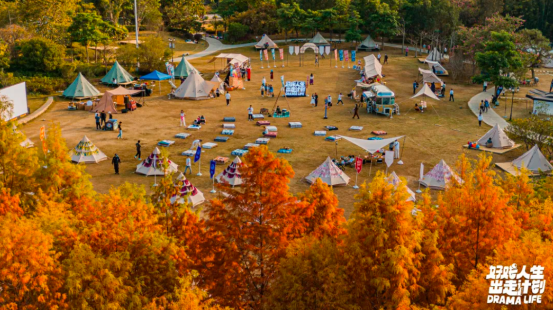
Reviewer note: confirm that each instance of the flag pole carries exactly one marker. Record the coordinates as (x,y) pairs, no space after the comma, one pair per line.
(213,185)
(356,185)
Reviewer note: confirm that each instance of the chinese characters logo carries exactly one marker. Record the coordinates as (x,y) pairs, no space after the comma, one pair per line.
(510,287)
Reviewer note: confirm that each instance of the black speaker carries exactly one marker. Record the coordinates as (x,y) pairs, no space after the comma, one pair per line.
(124,111)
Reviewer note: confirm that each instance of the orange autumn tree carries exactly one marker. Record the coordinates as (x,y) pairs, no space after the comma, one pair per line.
(321,213)
(527,251)
(380,249)
(474,218)
(248,230)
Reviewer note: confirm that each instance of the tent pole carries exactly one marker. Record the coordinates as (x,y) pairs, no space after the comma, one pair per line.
(402,150)
(370,164)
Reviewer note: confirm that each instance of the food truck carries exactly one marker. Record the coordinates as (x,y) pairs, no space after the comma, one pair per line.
(379,99)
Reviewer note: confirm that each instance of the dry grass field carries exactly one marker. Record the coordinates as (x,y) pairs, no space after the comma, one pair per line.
(431,136)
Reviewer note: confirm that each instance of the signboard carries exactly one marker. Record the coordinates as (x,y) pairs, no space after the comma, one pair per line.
(358,164)
(295,89)
(198,153)
(212,168)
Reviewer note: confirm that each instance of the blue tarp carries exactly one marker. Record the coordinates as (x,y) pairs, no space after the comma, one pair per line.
(156,76)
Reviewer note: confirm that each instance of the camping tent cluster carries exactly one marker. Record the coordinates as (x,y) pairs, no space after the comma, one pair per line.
(329,174)
(368,44)
(372,67)
(195,87)
(231,174)
(119,74)
(188,191)
(87,152)
(440,177)
(265,42)
(184,68)
(153,165)
(81,88)
(318,40)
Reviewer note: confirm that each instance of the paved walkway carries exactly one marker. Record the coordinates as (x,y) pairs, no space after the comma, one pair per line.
(38,112)
(490,118)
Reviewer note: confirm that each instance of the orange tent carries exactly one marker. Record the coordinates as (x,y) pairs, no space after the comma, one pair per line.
(107,102)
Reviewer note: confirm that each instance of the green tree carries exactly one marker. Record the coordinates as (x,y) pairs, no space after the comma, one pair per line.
(151,54)
(534,46)
(236,32)
(541,130)
(500,57)
(354,34)
(290,17)
(38,55)
(86,29)
(4,56)
(536,13)
(184,14)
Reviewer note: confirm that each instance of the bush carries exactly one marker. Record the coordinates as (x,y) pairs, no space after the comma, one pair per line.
(236,32)
(36,84)
(197,37)
(38,55)
(152,54)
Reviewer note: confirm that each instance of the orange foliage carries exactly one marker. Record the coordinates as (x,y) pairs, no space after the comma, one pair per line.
(9,204)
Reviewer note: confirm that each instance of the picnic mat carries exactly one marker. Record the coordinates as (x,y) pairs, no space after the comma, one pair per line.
(189,153)
(493,150)
(239,152)
(285,151)
(356,128)
(166,143)
(229,126)
(262,141)
(220,160)
(295,125)
(221,139)
(248,146)
(182,135)
(320,133)
(333,138)
(228,132)
(209,145)
(228,119)
(270,128)
(262,123)
(379,132)
(331,128)
(194,127)
(257,116)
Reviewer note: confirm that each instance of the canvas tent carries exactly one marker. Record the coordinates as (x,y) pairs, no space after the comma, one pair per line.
(368,44)
(318,39)
(533,160)
(371,146)
(265,39)
(195,88)
(108,101)
(499,138)
(231,174)
(438,68)
(119,73)
(429,77)
(329,173)
(86,152)
(439,177)
(435,55)
(219,82)
(395,180)
(184,68)
(372,67)
(427,92)
(232,59)
(188,191)
(153,165)
(80,88)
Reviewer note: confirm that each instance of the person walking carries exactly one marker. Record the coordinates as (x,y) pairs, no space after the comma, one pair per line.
(138,154)
(250,113)
(102,118)
(340,99)
(263,81)
(316,97)
(97,118)
(386,59)
(120,135)
(183,123)
(414,86)
(329,100)
(356,111)
(480,118)
(311,79)
(115,162)
(228,98)
(271,75)
(379,57)
(481,106)
(188,166)
(487,105)
(262,89)
(485,84)
(451,95)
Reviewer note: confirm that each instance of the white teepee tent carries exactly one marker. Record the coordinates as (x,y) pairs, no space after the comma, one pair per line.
(329,173)
(195,87)
(153,165)
(87,152)
(265,39)
(368,43)
(219,82)
(439,177)
(498,137)
(187,190)
(318,39)
(231,174)
(435,55)
(395,180)
(533,160)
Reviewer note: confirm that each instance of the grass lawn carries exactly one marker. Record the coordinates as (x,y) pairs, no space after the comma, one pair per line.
(437,134)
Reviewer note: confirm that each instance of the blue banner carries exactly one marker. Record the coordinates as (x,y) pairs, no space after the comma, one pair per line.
(212,168)
(291,49)
(353,56)
(273,53)
(198,153)
(341,55)
(261,55)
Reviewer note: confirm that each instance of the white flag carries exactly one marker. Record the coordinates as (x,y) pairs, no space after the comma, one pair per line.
(297,50)
(421,172)
(389,158)
(327,49)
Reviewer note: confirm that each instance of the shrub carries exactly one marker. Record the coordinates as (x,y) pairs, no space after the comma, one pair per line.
(36,84)
(152,54)
(236,31)
(197,37)
(38,55)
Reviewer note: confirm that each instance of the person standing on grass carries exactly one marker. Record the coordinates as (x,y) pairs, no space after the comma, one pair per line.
(188,166)
(138,155)
(386,59)
(271,75)
(312,101)
(228,98)
(316,61)
(103,118)
(262,89)
(329,100)
(316,97)
(340,99)
(97,118)
(120,135)
(263,81)
(356,111)
(480,118)
(451,95)
(250,113)
(183,123)
(379,57)
(115,162)
(414,86)
(407,50)
(311,79)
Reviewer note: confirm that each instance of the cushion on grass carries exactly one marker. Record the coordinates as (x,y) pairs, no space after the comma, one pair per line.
(271,128)
(379,132)
(166,142)
(295,124)
(285,151)
(331,128)
(182,135)
(262,141)
(282,115)
(262,123)
(194,127)
(228,132)
(189,153)
(257,116)
(333,138)
(247,146)
(228,119)
(270,134)
(229,126)
(220,160)
(356,128)
(209,145)
(320,133)
(221,139)
(239,152)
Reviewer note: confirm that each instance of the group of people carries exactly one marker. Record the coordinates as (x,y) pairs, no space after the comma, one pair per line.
(386,61)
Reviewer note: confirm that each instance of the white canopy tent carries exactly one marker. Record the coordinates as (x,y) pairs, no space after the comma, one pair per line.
(372,67)
(232,58)
(438,68)
(371,146)
(427,92)
(329,174)
(429,76)
(498,137)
